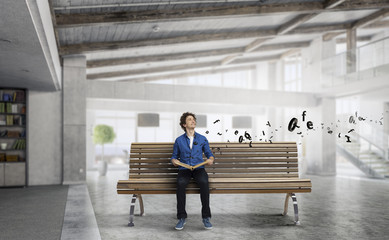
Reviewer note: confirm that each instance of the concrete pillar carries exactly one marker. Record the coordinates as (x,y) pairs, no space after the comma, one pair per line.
(320,142)
(272,75)
(74,119)
(351,50)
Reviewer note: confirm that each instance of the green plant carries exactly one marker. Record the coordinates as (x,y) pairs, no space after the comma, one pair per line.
(103,134)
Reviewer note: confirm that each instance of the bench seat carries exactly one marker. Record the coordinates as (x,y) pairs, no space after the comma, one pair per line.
(216,185)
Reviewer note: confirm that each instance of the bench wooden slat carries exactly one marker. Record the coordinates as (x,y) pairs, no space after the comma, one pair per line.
(221,175)
(220,165)
(221,160)
(217,145)
(248,185)
(218,191)
(216,170)
(292,149)
(258,155)
(219,180)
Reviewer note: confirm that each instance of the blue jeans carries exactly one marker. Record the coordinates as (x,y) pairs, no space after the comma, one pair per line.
(201,178)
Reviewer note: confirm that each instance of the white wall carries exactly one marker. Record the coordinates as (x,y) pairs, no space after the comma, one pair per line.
(44,138)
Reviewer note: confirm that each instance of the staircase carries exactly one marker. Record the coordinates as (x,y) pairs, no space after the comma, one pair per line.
(366,155)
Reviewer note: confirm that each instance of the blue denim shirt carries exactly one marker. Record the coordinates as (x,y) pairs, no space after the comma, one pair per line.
(194,156)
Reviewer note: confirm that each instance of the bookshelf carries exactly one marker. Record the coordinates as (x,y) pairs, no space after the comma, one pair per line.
(13,141)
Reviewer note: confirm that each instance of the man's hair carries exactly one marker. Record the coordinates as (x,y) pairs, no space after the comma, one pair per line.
(183,119)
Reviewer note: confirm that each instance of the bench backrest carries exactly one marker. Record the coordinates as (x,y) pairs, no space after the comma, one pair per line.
(232,160)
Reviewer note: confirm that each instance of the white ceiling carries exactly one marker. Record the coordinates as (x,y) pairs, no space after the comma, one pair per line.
(25,60)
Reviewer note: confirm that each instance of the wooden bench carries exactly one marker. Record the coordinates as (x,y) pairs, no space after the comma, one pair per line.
(238,168)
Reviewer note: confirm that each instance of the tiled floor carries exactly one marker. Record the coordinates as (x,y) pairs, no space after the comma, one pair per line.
(338,208)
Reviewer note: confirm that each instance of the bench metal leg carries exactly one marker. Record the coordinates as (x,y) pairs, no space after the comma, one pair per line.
(142,210)
(132,209)
(295,207)
(286,204)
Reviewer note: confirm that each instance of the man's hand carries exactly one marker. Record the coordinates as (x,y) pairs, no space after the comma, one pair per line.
(210,161)
(175,161)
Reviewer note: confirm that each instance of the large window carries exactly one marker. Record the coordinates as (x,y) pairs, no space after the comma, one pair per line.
(218,128)
(292,73)
(124,124)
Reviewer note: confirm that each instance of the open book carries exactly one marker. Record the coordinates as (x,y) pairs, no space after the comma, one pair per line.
(191,167)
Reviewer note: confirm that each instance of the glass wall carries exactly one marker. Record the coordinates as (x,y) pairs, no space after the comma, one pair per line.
(218,128)
(292,73)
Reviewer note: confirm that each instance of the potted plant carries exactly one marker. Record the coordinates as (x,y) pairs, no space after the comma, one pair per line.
(103,134)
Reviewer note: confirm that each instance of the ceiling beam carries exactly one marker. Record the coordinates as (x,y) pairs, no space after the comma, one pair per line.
(100,46)
(161,58)
(284,28)
(362,5)
(320,29)
(190,74)
(256,44)
(82,19)
(180,14)
(181,67)
(198,54)
(153,70)
(251,60)
(289,53)
(378,24)
(328,4)
(295,22)
(230,58)
(359,39)
(370,18)
(331,35)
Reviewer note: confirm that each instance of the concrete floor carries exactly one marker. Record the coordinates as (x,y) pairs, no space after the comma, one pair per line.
(338,208)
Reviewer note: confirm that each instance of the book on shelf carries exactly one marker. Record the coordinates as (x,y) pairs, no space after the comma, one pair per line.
(9,108)
(13,134)
(7,97)
(22,121)
(12,96)
(2,157)
(14,108)
(2,107)
(19,96)
(10,120)
(19,144)
(12,158)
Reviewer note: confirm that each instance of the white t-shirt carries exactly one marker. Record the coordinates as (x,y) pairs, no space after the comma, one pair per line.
(191,141)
